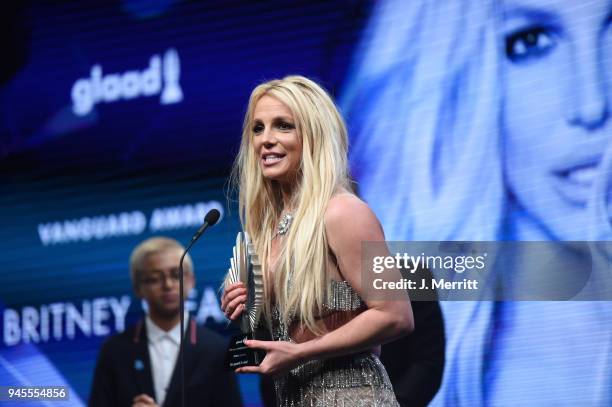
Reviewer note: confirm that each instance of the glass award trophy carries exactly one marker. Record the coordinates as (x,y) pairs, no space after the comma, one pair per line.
(245,267)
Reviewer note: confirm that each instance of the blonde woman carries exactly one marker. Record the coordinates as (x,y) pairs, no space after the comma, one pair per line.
(295,203)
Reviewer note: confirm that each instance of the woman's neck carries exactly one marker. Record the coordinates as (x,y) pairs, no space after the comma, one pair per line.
(287,196)
(521,226)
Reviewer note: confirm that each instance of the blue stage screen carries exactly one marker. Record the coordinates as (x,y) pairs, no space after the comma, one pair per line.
(468,120)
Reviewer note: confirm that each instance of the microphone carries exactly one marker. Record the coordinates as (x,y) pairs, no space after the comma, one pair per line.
(210,219)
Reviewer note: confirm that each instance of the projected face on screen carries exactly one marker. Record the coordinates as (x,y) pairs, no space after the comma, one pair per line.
(556,107)
(494,112)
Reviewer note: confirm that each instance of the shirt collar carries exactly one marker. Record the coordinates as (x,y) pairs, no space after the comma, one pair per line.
(155,333)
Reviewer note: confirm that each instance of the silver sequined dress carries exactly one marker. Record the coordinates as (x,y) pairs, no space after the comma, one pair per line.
(354,380)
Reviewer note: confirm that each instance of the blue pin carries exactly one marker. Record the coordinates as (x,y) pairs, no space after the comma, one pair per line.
(138,364)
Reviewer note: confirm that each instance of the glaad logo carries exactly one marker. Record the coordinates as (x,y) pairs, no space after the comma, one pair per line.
(86,92)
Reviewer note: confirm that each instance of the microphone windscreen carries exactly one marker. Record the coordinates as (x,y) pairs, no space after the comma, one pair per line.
(212,217)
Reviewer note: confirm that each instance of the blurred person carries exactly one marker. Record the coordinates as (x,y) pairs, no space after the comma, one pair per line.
(496,115)
(139,367)
(415,363)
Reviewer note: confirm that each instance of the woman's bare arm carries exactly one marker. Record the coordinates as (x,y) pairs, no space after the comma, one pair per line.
(348,222)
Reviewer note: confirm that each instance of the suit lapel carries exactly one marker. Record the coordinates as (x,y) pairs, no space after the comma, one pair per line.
(141,362)
(191,360)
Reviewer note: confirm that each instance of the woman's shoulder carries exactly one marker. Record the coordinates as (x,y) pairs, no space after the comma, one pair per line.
(345,211)
(342,204)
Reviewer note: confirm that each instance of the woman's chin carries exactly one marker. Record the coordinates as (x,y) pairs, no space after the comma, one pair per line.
(561,222)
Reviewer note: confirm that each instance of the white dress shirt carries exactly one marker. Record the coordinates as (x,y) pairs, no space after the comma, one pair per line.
(163,351)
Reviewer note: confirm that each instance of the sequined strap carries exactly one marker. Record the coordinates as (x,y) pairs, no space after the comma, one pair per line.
(342,297)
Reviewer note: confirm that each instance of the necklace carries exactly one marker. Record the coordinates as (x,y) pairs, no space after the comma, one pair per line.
(283,225)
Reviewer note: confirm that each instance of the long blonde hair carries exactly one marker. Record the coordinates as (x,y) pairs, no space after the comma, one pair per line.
(300,277)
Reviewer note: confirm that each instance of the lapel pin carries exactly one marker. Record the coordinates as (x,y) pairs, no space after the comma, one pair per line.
(138,365)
